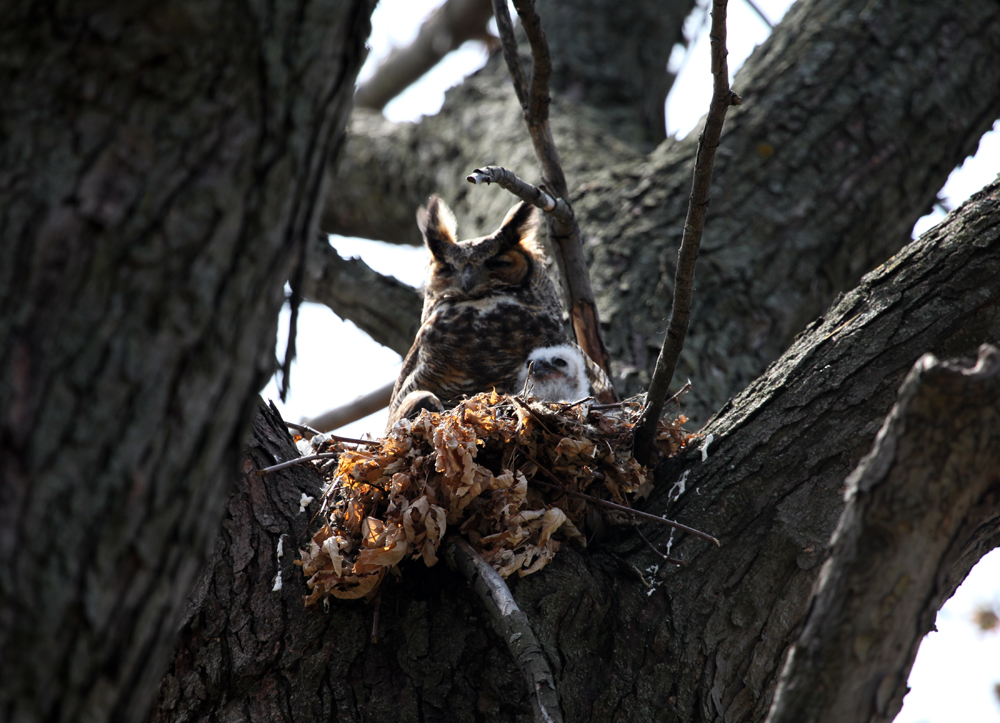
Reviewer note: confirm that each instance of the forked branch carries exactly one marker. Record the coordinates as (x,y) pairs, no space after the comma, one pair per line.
(694,224)
(564,232)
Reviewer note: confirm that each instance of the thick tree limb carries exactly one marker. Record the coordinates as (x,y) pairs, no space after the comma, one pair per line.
(447,28)
(358,409)
(925,496)
(694,224)
(382,306)
(512,626)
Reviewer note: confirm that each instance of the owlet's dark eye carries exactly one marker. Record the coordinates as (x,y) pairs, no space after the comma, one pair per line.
(445,268)
(559,362)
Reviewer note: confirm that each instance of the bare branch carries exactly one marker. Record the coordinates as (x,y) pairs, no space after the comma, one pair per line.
(522,189)
(358,409)
(759,13)
(694,224)
(509,44)
(511,625)
(447,28)
(383,307)
(883,582)
(564,232)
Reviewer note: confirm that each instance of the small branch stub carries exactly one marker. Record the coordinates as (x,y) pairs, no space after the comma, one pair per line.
(527,192)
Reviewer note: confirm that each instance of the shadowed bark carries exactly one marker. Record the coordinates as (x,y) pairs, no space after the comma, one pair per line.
(925,496)
(162,165)
(701,642)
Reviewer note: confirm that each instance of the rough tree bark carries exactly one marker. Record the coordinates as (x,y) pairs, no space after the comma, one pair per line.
(701,642)
(162,165)
(854,113)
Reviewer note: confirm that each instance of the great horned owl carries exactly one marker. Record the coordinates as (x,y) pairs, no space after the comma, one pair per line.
(487,303)
(562,373)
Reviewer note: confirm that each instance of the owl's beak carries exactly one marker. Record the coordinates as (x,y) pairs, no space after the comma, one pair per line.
(544,368)
(468,278)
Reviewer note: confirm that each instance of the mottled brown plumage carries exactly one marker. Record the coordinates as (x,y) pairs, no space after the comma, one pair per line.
(487,303)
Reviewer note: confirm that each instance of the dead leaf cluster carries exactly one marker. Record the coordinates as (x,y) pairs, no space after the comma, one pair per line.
(470,470)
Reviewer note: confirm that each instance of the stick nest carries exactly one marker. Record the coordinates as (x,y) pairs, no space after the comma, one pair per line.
(472,468)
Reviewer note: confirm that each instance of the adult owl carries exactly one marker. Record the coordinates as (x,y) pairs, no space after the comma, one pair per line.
(488,302)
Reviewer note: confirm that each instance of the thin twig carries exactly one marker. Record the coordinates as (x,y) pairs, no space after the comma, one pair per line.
(687,255)
(297,460)
(651,546)
(522,189)
(532,412)
(760,13)
(614,505)
(511,624)
(509,44)
(303,428)
(564,231)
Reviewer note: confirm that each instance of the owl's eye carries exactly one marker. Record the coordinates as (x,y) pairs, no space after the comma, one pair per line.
(445,268)
(559,362)
(500,262)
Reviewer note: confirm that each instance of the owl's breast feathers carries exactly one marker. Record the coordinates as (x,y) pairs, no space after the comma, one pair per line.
(468,347)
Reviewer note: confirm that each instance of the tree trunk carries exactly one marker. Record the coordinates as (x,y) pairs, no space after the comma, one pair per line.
(626,640)
(162,166)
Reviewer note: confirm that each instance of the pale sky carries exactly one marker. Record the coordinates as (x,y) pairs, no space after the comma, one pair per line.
(957,667)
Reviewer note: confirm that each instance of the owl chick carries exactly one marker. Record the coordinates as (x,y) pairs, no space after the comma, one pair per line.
(555,374)
(562,373)
(487,303)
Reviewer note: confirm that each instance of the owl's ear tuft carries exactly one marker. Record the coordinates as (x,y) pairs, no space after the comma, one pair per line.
(520,227)
(437,224)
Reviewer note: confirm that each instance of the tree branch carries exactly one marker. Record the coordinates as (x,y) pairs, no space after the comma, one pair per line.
(381,306)
(512,626)
(522,189)
(919,501)
(358,409)
(448,27)
(694,224)
(564,232)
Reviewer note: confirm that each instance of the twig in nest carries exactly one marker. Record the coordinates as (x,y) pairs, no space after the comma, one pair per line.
(614,505)
(564,232)
(687,255)
(298,460)
(533,413)
(511,624)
